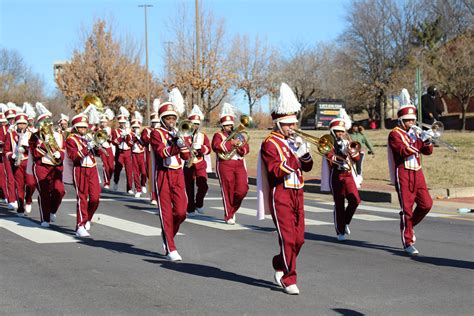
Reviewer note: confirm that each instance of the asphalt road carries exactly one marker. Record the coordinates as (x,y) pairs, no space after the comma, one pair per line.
(227,269)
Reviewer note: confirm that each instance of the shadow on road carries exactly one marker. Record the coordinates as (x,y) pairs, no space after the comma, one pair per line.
(212,272)
(119,247)
(347,312)
(443,262)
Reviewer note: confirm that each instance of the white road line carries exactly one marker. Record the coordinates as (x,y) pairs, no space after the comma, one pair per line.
(132,199)
(125,225)
(315,209)
(373,218)
(34,232)
(251,212)
(213,222)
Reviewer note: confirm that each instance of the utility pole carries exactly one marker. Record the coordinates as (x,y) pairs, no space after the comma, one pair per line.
(198,52)
(147,80)
(168,58)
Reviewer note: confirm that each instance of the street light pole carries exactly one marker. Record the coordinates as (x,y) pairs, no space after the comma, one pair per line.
(147,80)
(198,52)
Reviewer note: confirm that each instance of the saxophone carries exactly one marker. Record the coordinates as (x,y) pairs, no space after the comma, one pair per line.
(19,150)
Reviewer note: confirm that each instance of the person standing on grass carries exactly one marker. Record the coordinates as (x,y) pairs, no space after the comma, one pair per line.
(356,132)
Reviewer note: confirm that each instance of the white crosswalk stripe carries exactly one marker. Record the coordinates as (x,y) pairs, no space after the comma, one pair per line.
(125,225)
(34,232)
(373,218)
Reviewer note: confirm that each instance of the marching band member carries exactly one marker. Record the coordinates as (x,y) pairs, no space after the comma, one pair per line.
(16,152)
(281,162)
(341,177)
(149,157)
(197,171)
(405,148)
(47,148)
(138,156)
(107,153)
(63,125)
(10,115)
(232,172)
(122,139)
(85,174)
(170,153)
(3,134)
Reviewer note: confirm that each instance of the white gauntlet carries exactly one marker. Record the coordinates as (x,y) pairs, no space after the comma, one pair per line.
(303,149)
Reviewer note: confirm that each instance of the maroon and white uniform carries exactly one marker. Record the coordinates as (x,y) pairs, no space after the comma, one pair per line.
(123,141)
(343,186)
(48,174)
(169,182)
(406,149)
(284,176)
(145,138)
(21,184)
(232,174)
(85,178)
(3,172)
(138,160)
(107,156)
(197,174)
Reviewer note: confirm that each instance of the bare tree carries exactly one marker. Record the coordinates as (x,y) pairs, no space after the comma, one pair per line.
(18,83)
(251,66)
(214,78)
(378,36)
(107,68)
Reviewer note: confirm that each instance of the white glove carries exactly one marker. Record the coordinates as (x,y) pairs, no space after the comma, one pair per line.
(21,150)
(196,146)
(298,141)
(46,139)
(427,135)
(180,143)
(90,145)
(57,154)
(303,149)
(13,156)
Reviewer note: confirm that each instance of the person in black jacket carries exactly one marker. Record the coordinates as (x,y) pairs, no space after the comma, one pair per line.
(430,112)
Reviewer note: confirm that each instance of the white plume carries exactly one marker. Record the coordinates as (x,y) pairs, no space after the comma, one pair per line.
(94,115)
(3,107)
(176,98)
(347,119)
(227,109)
(196,111)
(405,98)
(287,102)
(109,114)
(41,109)
(29,110)
(12,105)
(138,116)
(124,111)
(64,117)
(88,109)
(156,105)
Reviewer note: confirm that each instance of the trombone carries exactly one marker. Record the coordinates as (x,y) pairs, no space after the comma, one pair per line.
(240,134)
(324,145)
(432,133)
(186,129)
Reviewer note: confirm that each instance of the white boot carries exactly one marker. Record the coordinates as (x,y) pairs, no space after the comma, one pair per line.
(53,217)
(28,208)
(277,277)
(45,224)
(87,226)
(200,210)
(144,190)
(13,206)
(153,202)
(412,251)
(138,194)
(292,289)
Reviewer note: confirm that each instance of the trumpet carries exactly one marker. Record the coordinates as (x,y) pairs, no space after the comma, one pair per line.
(324,145)
(46,135)
(432,133)
(239,134)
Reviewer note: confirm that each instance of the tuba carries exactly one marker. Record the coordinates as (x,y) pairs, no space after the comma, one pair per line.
(95,100)
(46,135)
(240,134)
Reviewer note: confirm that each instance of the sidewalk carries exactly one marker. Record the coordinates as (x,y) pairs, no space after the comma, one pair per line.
(382,191)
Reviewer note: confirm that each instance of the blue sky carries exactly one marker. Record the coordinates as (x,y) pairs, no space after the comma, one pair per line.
(45,31)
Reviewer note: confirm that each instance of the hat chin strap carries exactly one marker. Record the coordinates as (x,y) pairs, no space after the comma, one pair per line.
(401,123)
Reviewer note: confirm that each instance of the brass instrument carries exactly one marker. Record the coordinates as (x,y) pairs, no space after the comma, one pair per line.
(433,134)
(46,135)
(97,139)
(19,150)
(324,145)
(92,99)
(239,134)
(185,129)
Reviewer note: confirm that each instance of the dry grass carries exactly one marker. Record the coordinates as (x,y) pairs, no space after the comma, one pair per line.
(443,169)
